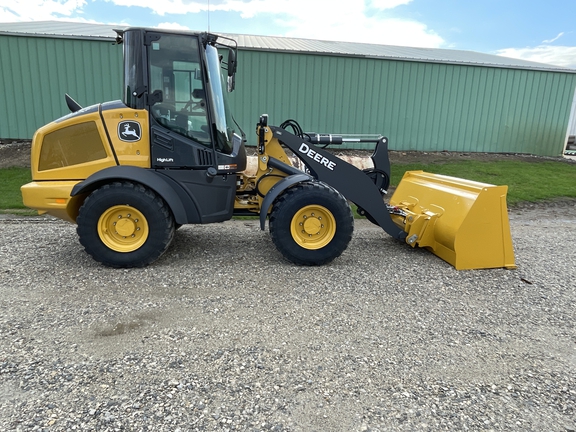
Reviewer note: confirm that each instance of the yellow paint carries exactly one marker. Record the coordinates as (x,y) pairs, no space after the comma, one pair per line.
(75,148)
(52,197)
(313,227)
(270,176)
(462,221)
(265,176)
(123,228)
(136,153)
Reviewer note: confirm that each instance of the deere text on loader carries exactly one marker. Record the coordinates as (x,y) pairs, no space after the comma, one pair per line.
(129,172)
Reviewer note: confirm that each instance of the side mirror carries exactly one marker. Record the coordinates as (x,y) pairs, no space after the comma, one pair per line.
(232,62)
(232,66)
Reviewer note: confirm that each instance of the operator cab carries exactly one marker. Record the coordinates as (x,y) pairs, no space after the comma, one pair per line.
(183,81)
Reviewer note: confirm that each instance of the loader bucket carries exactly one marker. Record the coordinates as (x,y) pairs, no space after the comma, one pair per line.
(463,222)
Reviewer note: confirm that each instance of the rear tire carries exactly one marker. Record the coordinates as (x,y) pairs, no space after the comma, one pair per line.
(123,224)
(311,224)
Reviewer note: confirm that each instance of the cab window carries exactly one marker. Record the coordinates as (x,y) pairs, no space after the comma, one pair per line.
(176,74)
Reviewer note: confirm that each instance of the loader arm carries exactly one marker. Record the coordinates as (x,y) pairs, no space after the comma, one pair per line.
(351,182)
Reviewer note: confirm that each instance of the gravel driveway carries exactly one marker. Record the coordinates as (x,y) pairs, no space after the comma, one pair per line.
(222,334)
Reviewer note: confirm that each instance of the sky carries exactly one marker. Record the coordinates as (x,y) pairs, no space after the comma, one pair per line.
(538,30)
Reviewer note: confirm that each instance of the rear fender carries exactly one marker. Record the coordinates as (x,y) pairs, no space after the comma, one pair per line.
(180,203)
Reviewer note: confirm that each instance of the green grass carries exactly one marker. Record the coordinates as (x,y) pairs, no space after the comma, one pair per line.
(527,181)
(10,181)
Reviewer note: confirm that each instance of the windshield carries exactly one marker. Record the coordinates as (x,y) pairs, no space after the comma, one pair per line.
(219,100)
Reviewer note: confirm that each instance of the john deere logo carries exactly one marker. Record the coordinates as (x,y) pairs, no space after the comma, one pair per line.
(129,131)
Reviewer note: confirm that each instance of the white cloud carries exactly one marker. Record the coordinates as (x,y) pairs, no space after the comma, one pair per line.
(38,10)
(552,55)
(172,26)
(548,41)
(388,4)
(162,8)
(368,30)
(347,21)
(316,19)
(326,20)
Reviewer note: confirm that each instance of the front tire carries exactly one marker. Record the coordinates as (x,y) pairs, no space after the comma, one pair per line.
(124,224)
(311,224)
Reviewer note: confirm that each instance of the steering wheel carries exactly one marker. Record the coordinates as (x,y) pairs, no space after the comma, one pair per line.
(159,107)
(195,108)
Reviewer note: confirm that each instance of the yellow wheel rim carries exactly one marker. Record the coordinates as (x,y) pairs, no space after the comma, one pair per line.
(123,228)
(313,227)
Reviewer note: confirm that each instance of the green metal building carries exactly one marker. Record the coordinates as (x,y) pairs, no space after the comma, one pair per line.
(37,69)
(422,99)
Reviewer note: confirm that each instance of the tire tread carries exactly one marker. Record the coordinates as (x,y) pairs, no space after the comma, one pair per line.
(282,238)
(88,235)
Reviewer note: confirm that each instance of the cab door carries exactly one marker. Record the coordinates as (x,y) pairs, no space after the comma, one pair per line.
(181,138)
(180,132)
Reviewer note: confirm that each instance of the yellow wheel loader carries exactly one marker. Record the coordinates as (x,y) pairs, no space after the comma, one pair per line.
(130,172)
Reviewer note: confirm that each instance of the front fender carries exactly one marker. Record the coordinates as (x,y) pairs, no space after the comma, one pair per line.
(181,205)
(275,192)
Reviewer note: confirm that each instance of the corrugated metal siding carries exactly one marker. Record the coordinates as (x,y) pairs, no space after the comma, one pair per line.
(36,72)
(419,106)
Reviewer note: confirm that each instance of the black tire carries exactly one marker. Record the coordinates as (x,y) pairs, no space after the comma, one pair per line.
(311,224)
(125,224)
